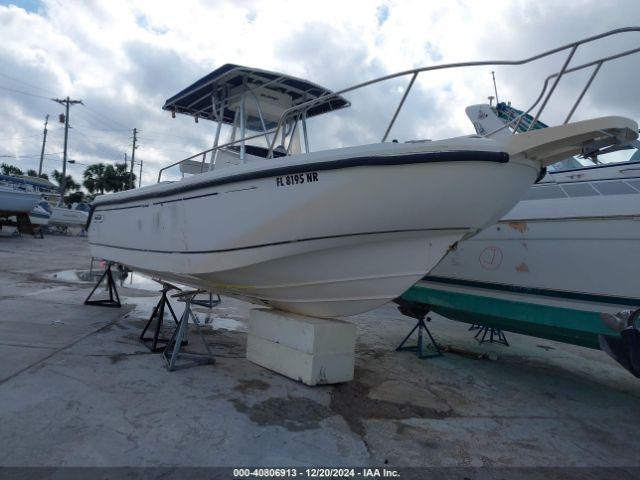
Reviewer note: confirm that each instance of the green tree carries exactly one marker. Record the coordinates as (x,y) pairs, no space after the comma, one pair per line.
(32,173)
(101,178)
(10,169)
(96,178)
(70,183)
(119,177)
(75,197)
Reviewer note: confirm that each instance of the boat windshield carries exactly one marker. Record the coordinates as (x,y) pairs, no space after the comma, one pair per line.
(83,207)
(570,163)
(622,156)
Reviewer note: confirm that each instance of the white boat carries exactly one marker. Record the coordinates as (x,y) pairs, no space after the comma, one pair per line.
(328,233)
(75,215)
(562,264)
(59,215)
(40,214)
(15,200)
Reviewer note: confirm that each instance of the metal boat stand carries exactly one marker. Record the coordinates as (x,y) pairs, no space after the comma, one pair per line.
(496,335)
(158,314)
(205,303)
(625,349)
(419,312)
(114,298)
(172,353)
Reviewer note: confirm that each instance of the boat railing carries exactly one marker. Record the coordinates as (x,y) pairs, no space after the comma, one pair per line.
(543,98)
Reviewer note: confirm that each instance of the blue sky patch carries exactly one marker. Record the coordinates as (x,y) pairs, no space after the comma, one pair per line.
(28,5)
(382,13)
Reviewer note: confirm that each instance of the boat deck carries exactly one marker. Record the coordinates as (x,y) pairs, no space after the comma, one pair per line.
(78,389)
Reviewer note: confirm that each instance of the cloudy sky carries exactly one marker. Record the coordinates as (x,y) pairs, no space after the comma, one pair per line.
(123,59)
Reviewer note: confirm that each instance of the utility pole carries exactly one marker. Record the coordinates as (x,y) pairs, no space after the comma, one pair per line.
(140,177)
(133,154)
(63,182)
(126,164)
(44,141)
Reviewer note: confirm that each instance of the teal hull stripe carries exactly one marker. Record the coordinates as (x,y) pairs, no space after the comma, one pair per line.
(543,292)
(555,323)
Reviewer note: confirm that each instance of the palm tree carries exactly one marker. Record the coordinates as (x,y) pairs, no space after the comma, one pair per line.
(70,183)
(10,169)
(32,173)
(119,178)
(75,197)
(96,178)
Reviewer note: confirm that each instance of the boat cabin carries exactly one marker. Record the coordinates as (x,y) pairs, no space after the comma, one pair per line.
(266,113)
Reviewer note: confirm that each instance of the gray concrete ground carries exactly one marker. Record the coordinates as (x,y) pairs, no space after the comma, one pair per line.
(78,389)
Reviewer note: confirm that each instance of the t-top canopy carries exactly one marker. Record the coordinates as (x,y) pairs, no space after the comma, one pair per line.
(275,92)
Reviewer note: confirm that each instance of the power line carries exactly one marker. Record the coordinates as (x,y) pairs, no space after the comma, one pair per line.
(23,92)
(22,82)
(164,134)
(29,136)
(102,133)
(154,141)
(96,142)
(29,156)
(105,117)
(93,118)
(51,130)
(166,149)
(96,114)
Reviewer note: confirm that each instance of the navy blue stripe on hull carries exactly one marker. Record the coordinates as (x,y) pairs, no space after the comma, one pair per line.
(382,160)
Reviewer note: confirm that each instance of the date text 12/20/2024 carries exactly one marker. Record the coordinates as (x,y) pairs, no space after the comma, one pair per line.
(296,179)
(239,473)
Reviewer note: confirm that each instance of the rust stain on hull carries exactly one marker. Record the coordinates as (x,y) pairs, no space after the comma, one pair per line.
(523,267)
(518,226)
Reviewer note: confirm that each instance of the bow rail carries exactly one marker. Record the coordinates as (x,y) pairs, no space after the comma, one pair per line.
(290,117)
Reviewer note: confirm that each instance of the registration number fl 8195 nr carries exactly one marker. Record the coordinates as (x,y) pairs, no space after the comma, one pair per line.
(296,179)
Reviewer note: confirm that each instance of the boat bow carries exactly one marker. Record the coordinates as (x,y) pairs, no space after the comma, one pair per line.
(552,144)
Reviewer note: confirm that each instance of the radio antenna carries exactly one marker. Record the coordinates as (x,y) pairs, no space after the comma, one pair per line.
(495,89)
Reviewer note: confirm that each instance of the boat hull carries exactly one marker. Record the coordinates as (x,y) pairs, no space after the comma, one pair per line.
(66,217)
(16,201)
(340,242)
(550,268)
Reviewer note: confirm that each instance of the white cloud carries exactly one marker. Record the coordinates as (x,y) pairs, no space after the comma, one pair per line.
(124,58)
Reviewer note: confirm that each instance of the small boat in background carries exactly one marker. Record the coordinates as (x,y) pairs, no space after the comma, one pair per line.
(59,215)
(562,264)
(74,216)
(17,200)
(40,214)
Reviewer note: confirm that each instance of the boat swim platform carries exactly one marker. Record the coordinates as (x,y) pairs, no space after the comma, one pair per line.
(81,374)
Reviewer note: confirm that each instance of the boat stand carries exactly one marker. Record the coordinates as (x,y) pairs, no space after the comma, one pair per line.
(158,314)
(496,335)
(206,303)
(114,298)
(172,353)
(419,312)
